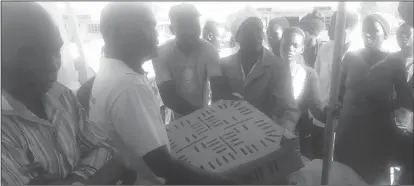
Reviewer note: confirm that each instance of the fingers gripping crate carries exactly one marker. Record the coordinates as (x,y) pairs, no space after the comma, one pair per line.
(233,138)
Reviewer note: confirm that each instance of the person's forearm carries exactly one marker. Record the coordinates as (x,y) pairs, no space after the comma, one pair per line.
(177,172)
(92,162)
(173,101)
(289,119)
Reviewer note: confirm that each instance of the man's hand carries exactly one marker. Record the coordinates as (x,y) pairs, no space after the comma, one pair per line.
(69,180)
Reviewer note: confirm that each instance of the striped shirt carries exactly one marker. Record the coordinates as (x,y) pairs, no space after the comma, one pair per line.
(67,143)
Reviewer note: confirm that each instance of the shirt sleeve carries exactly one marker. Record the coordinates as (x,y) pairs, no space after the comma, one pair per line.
(92,140)
(15,168)
(138,120)
(318,62)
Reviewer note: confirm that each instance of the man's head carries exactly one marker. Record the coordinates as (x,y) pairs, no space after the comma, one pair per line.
(250,35)
(275,31)
(351,21)
(405,36)
(31,46)
(292,45)
(375,30)
(185,25)
(312,24)
(211,33)
(128,29)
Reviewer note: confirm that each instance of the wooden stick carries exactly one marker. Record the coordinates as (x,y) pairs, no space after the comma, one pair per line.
(336,65)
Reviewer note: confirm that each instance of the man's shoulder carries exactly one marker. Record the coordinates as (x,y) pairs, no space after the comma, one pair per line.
(272,61)
(166,47)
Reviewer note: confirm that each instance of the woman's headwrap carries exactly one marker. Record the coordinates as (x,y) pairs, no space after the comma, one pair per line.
(382,21)
(406,11)
(237,19)
(313,23)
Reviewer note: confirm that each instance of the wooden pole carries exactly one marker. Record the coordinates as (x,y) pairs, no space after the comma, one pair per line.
(336,65)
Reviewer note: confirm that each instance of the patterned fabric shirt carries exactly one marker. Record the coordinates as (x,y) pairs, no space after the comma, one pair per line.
(67,143)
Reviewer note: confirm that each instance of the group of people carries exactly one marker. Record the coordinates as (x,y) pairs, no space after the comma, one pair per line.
(113,132)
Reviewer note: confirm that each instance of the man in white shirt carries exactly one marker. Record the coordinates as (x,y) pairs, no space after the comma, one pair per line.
(123,103)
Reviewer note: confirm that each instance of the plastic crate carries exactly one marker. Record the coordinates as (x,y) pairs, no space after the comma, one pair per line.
(233,138)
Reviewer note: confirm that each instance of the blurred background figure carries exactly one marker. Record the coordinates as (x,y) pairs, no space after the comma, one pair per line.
(274,33)
(211,33)
(312,24)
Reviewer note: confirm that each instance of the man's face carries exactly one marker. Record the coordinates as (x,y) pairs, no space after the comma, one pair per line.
(38,61)
(250,35)
(373,34)
(405,37)
(138,38)
(292,47)
(274,35)
(187,31)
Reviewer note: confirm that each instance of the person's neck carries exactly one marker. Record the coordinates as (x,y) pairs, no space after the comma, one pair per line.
(129,61)
(249,56)
(186,50)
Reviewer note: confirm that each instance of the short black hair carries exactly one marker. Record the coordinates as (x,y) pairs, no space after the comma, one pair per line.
(118,12)
(183,10)
(293,30)
(351,20)
(282,21)
(209,26)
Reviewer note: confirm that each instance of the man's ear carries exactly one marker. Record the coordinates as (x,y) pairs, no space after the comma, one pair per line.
(172,29)
(302,49)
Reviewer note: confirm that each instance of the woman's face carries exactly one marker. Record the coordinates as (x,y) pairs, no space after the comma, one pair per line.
(405,37)
(373,34)
(292,47)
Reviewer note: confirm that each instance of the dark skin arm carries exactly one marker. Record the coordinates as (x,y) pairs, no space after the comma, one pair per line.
(177,172)
(221,89)
(174,101)
(105,175)
(402,88)
(316,106)
(342,78)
